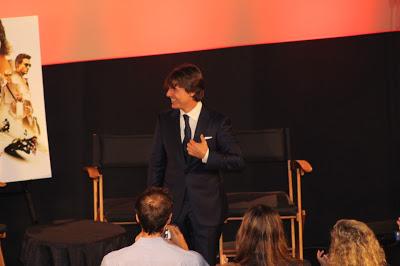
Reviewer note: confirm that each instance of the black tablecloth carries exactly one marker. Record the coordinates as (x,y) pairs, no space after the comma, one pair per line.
(74,243)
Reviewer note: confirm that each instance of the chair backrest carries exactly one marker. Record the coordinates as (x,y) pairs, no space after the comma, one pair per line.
(266,145)
(271,145)
(266,153)
(121,150)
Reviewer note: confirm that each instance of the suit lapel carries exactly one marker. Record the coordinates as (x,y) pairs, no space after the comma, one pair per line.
(176,135)
(201,128)
(202,124)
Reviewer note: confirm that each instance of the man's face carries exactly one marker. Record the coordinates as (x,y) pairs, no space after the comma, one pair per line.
(181,99)
(24,66)
(7,75)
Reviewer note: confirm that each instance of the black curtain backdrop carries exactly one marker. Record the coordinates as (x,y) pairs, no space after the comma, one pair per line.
(340,97)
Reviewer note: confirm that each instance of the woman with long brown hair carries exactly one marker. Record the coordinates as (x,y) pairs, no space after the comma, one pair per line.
(261,240)
(353,243)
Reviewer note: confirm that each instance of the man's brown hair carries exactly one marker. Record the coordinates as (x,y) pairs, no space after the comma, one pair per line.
(189,77)
(153,208)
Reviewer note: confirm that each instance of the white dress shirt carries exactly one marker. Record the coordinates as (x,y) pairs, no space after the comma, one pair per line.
(193,119)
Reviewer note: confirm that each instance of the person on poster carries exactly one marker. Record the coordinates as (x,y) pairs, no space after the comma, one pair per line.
(192,144)
(8,91)
(4,52)
(5,66)
(22,66)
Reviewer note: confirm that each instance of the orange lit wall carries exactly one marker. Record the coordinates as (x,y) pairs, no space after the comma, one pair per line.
(80,30)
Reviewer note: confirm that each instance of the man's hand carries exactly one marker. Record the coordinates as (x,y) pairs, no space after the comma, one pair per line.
(197,149)
(18,96)
(177,237)
(322,258)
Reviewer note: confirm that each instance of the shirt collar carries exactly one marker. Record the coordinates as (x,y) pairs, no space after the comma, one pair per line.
(195,112)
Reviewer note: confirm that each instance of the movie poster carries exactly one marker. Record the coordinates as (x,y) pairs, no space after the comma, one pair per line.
(24,148)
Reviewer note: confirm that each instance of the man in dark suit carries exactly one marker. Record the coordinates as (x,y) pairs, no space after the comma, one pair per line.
(192,145)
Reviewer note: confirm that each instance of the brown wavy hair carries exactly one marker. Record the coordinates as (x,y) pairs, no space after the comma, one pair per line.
(189,77)
(261,239)
(5,46)
(354,243)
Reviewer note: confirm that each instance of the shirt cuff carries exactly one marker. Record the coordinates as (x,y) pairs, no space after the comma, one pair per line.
(205,158)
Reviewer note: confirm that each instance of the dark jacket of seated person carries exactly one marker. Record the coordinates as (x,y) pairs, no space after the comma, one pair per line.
(153,213)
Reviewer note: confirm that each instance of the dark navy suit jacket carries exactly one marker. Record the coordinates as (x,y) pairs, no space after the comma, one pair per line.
(201,182)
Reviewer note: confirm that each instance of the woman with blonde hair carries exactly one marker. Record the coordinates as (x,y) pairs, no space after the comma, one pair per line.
(261,240)
(352,243)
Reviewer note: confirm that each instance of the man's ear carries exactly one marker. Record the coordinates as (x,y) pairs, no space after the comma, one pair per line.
(137,219)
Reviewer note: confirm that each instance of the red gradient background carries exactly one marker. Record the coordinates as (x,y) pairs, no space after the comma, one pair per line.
(80,30)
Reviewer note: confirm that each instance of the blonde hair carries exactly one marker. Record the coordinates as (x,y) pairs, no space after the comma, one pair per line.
(354,243)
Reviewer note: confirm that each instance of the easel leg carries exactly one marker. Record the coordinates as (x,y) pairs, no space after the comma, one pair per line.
(29,201)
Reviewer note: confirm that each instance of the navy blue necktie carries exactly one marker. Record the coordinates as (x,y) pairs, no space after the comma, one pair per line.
(187,137)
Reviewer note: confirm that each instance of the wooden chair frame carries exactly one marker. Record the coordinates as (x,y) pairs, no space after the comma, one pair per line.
(94,171)
(299,168)
(98,194)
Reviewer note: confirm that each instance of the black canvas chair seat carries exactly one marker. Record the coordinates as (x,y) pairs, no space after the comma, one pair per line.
(3,228)
(119,209)
(278,200)
(111,154)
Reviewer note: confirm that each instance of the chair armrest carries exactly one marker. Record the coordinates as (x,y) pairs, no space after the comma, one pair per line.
(3,184)
(92,171)
(304,166)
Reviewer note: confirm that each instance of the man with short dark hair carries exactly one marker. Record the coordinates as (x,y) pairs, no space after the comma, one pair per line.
(22,63)
(153,213)
(192,145)
(22,67)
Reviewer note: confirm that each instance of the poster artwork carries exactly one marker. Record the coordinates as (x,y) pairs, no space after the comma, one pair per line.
(24,149)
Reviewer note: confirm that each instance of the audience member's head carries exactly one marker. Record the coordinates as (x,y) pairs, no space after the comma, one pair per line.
(154,210)
(261,239)
(354,243)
